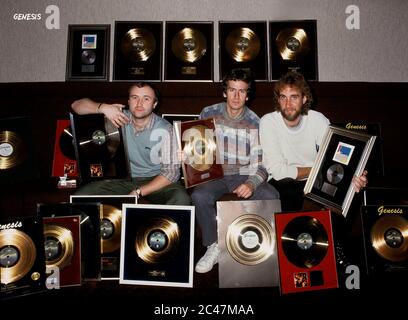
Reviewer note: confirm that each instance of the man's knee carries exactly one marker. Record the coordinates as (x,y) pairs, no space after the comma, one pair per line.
(181,197)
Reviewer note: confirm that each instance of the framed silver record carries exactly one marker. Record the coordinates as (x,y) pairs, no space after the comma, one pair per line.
(342,155)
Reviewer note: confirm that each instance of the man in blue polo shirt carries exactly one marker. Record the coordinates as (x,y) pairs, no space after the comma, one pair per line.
(150,147)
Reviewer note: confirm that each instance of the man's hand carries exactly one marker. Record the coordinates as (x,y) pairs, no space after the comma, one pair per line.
(245,190)
(114,113)
(360,182)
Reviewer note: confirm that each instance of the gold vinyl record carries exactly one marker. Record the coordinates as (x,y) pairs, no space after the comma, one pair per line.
(101,140)
(242,44)
(17,255)
(305,241)
(389,238)
(200,147)
(189,45)
(138,44)
(250,239)
(157,241)
(292,43)
(59,246)
(111,228)
(12,150)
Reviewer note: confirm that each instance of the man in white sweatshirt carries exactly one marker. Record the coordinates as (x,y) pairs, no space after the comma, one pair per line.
(290,138)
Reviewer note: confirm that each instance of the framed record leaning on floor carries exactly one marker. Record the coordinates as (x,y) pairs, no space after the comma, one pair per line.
(189,51)
(385,230)
(22,264)
(17,156)
(244,45)
(64,162)
(247,241)
(157,245)
(100,148)
(138,50)
(88,52)
(293,47)
(306,251)
(342,155)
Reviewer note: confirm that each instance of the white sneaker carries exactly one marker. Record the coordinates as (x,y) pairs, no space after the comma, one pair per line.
(208,260)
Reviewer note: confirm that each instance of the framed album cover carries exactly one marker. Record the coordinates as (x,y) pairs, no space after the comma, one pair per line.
(293,47)
(244,45)
(189,51)
(88,52)
(198,141)
(157,245)
(342,155)
(138,50)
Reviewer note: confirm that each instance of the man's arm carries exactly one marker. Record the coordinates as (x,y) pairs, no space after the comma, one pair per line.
(157,183)
(111,111)
(303,173)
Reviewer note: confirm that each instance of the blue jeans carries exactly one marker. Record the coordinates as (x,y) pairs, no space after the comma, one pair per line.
(205,196)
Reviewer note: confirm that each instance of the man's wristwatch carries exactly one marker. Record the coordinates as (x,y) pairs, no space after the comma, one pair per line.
(138,192)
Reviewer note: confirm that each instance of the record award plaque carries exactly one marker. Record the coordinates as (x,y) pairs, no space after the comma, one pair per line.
(247,242)
(99,147)
(138,51)
(64,162)
(306,251)
(197,140)
(243,45)
(385,230)
(111,224)
(293,47)
(342,155)
(157,245)
(189,51)
(88,52)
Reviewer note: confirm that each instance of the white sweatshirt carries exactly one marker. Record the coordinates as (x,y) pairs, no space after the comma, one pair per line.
(285,149)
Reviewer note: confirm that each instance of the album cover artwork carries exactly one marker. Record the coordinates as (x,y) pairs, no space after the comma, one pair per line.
(198,141)
(306,251)
(64,162)
(157,245)
(385,230)
(100,148)
(62,242)
(293,47)
(22,264)
(189,51)
(247,242)
(111,225)
(375,164)
(244,45)
(90,217)
(138,50)
(18,161)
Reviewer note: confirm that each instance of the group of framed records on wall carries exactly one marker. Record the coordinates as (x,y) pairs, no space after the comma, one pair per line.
(185,51)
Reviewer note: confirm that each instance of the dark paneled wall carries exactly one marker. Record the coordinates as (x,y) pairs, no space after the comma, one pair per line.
(385,103)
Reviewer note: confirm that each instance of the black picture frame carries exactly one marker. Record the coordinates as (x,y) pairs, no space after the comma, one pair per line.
(342,155)
(88,53)
(293,47)
(244,45)
(189,52)
(138,50)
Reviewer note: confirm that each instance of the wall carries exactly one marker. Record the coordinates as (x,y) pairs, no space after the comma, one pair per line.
(377,52)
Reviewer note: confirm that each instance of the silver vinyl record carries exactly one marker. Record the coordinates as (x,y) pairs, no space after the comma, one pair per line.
(88,56)
(335,173)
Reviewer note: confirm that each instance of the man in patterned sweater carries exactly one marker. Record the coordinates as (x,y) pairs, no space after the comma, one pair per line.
(240,154)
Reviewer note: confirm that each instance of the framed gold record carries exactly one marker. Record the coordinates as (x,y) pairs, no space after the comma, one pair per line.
(189,51)
(293,47)
(88,53)
(244,45)
(138,50)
